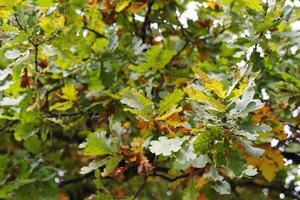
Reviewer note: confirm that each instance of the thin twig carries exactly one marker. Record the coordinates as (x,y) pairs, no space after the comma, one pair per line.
(100,35)
(178,53)
(169,178)
(36,51)
(74,180)
(140,188)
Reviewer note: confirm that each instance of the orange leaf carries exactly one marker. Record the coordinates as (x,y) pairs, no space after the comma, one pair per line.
(137,6)
(202,196)
(213,5)
(62,196)
(201,182)
(269,163)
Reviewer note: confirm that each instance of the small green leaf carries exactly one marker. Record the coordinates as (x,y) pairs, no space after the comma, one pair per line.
(293,148)
(95,164)
(190,192)
(3,165)
(138,103)
(111,164)
(97,144)
(157,58)
(61,106)
(33,144)
(205,139)
(254,4)
(236,162)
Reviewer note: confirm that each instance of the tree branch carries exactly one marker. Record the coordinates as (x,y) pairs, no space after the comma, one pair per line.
(146,22)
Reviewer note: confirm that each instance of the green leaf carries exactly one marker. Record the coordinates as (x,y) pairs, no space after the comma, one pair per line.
(187,158)
(33,144)
(138,103)
(236,162)
(97,145)
(11,186)
(190,192)
(169,101)
(292,148)
(23,131)
(254,4)
(111,164)
(165,146)
(245,104)
(157,58)
(3,165)
(61,106)
(40,190)
(205,139)
(213,174)
(222,187)
(95,164)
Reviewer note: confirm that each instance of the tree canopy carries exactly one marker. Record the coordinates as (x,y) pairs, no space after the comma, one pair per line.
(149,99)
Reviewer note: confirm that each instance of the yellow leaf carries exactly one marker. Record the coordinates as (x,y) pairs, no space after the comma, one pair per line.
(238,90)
(269,163)
(268,169)
(170,112)
(212,85)
(59,19)
(203,77)
(212,5)
(122,5)
(217,87)
(69,92)
(201,182)
(47,25)
(201,97)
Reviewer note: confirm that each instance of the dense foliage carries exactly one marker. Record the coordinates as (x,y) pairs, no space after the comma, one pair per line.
(127,99)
